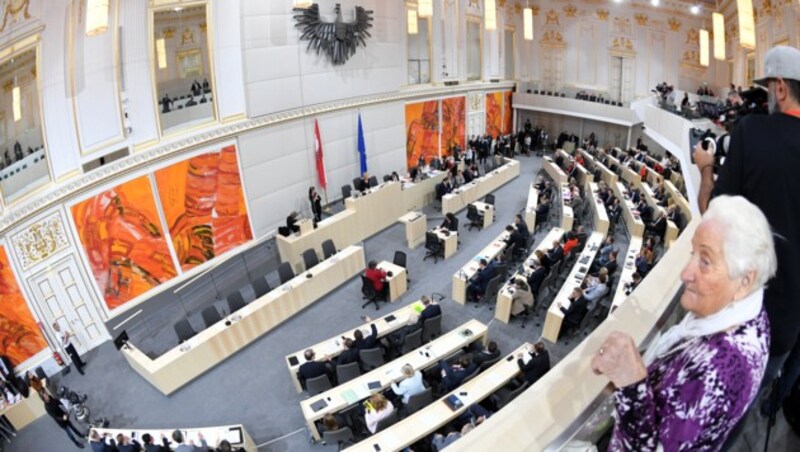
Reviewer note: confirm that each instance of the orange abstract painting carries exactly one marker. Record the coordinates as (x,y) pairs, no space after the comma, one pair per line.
(494,114)
(422,132)
(204,206)
(454,124)
(121,234)
(20,337)
(508,113)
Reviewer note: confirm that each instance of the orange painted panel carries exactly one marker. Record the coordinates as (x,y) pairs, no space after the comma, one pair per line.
(20,337)
(494,114)
(422,132)
(454,124)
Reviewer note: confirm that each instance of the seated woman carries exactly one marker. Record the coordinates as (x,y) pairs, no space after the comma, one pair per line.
(521,297)
(411,384)
(376,407)
(696,381)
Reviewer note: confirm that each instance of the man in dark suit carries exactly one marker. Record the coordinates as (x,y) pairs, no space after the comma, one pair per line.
(364,343)
(450,222)
(349,355)
(312,369)
(431,309)
(291,222)
(514,238)
(453,375)
(537,365)
(53,408)
(573,316)
(536,277)
(556,253)
(395,341)
(522,227)
(658,226)
(483,355)
(149,445)
(99,443)
(542,210)
(477,286)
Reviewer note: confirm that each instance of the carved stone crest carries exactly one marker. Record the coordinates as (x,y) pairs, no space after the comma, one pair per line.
(40,241)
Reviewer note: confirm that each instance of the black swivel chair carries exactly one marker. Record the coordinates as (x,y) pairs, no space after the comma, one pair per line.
(339,437)
(489,199)
(370,294)
(236,301)
(211,316)
(184,330)
(433,247)
(310,258)
(400,261)
(431,328)
(260,287)
(347,191)
(328,248)
(285,272)
(357,183)
(387,178)
(373,181)
(474,217)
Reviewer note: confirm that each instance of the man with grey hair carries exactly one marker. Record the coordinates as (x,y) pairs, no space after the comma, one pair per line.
(761,165)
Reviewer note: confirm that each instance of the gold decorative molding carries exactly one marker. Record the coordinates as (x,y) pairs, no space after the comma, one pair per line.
(474,4)
(535,9)
(622,25)
(621,46)
(570,10)
(641,19)
(553,38)
(692,37)
(14,8)
(691,60)
(552,18)
(204,27)
(187,37)
(517,8)
(476,102)
(602,14)
(674,24)
(766,7)
(40,240)
(168,32)
(502,3)
(8,85)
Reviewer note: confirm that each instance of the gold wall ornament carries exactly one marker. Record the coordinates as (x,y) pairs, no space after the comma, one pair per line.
(476,102)
(692,36)
(13,8)
(535,9)
(502,3)
(570,10)
(204,27)
(622,46)
(517,8)
(674,24)
(40,240)
(474,4)
(766,7)
(691,60)
(622,25)
(641,19)
(8,85)
(553,38)
(602,14)
(168,32)
(187,37)
(552,18)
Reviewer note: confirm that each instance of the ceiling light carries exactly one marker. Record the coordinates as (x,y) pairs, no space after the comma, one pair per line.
(412,22)
(704,48)
(747,27)
(527,23)
(695,9)
(425,8)
(719,36)
(490,14)
(655,2)
(96,17)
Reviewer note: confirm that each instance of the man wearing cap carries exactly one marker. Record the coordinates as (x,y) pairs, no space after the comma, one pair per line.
(762,165)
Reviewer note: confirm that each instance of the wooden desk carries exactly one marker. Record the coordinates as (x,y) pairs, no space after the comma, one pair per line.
(680,201)
(355,390)
(608,176)
(25,411)
(599,214)
(480,187)
(487,210)
(582,176)
(567,216)
(552,323)
(502,311)
(434,416)
(235,434)
(450,241)
(416,225)
(530,208)
(628,175)
(398,283)
(209,347)
(462,276)
(633,222)
(557,174)
(628,269)
(649,196)
(306,225)
(333,347)
(417,195)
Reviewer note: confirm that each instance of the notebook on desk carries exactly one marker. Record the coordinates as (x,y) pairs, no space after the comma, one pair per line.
(453,402)
(319,405)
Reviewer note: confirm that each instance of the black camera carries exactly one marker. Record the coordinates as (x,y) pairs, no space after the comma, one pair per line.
(705,137)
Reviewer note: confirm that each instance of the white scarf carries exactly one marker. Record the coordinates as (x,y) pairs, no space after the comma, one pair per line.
(692,327)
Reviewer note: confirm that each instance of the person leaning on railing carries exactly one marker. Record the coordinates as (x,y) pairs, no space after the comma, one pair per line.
(696,381)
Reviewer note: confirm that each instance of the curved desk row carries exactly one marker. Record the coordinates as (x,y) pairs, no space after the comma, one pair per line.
(461,197)
(234,434)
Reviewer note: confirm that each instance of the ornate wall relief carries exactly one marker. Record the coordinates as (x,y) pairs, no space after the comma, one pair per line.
(40,240)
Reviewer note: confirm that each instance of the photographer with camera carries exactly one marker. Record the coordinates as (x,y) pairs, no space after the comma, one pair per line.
(761,164)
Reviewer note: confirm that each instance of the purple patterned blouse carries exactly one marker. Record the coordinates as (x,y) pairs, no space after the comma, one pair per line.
(694,396)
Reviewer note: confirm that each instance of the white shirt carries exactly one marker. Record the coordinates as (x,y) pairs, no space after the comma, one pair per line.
(373,417)
(409,387)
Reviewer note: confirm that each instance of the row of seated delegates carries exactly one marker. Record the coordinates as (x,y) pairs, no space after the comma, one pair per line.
(124,443)
(313,368)
(498,266)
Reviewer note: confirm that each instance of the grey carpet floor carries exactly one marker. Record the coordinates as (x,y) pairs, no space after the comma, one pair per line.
(253,387)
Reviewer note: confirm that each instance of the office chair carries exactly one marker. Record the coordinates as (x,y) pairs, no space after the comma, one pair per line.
(357,183)
(373,181)
(210,316)
(371,358)
(489,199)
(418,401)
(411,342)
(285,272)
(339,437)
(433,247)
(261,287)
(487,364)
(387,178)
(318,385)
(236,301)
(310,258)
(328,248)
(387,422)
(347,191)
(184,330)
(347,372)
(491,290)
(471,376)
(503,397)
(400,261)
(474,217)
(431,328)
(370,294)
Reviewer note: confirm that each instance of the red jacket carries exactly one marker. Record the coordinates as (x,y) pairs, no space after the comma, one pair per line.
(376,276)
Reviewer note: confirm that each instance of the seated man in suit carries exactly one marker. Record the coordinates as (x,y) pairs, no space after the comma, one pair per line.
(573,316)
(516,239)
(312,369)
(291,222)
(537,276)
(453,375)
(536,365)
(468,175)
(394,342)
(378,278)
(480,281)
(611,263)
(645,211)
(430,309)
(450,222)
(658,226)
(542,210)
(126,444)
(150,446)
(349,355)
(364,343)
(482,354)
(521,226)
(556,253)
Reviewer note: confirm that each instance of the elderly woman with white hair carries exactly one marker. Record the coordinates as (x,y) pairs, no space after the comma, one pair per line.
(696,381)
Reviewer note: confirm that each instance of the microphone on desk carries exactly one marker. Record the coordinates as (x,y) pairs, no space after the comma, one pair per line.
(227,320)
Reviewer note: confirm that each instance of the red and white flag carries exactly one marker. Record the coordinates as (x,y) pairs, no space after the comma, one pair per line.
(318,154)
